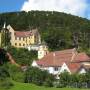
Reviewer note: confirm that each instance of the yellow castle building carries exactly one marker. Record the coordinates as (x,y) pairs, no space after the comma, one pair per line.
(22,39)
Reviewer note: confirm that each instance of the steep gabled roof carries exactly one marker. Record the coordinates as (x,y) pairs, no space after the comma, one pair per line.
(22,33)
(56,58)
(82,57)
(73,67)
(26,33)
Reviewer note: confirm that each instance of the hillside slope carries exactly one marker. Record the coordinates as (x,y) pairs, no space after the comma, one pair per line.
(65,30)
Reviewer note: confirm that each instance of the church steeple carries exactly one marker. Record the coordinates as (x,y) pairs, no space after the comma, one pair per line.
(4,26)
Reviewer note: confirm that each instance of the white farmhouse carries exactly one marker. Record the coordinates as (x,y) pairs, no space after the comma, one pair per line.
(66,60)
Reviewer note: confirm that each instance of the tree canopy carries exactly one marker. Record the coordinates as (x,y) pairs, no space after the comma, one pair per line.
(65,30)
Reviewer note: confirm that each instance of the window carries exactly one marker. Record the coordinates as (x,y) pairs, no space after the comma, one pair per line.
(56,68)
(19,44)
(19,38)
(23,44)
(15,44)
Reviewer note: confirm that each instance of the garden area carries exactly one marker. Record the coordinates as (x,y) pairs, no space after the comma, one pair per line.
(26,86)
(40,77)
(13,78)
(16,78)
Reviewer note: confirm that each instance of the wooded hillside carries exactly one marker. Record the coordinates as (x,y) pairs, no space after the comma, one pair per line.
(58,30)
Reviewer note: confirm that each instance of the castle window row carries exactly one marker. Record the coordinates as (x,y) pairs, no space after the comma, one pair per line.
(22,38)
(21,44)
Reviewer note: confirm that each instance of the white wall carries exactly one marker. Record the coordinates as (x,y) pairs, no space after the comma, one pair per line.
(82,71)
(64,68)
(34,64)
(49,69)
(42,51)
(33,48)
(52,70)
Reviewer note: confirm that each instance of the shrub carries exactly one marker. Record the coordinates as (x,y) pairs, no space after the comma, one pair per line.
(5,81)
(16,73)
(39,77)
(3,73)
(64,79)
(49,80)
(74,80)
(6,84)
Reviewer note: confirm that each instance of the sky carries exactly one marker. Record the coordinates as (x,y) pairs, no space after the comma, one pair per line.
(75,7)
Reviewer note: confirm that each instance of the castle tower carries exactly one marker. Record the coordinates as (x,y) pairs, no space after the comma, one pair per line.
(42,51)
(4,37)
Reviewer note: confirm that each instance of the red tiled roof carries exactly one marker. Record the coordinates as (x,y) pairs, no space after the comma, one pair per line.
(59,57)
(74,67)
(82,57)
(23,33)
(56,58)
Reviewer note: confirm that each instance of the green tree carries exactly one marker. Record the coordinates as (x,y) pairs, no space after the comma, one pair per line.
(5,81)
(3,56)
(64,79)
(39,77)
(22,56)
(16,73)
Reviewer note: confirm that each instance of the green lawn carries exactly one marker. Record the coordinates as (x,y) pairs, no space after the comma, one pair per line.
(24,86)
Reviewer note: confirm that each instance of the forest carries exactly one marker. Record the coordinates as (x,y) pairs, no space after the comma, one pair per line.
(58,30)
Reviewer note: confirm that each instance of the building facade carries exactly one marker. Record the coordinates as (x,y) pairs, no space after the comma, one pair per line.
(22,39)
(66,60)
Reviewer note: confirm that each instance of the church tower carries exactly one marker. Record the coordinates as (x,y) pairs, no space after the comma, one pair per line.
(4,40)
(42,51)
